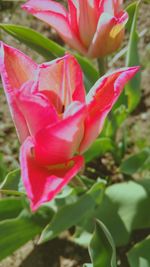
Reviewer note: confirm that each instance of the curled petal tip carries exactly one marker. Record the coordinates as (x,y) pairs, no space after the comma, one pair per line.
(137,68)
(28,8)
(134,69)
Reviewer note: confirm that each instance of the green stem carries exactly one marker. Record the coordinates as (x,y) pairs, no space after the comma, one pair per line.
(77,182)
(101,65)
(11,192)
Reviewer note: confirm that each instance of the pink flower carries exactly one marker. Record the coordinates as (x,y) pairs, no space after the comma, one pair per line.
(55,121)
(95,28)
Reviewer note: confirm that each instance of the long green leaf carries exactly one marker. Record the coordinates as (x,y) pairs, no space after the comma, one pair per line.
(90,72)
(71,214)
(102,248)
(16,232)
(11,180)
(34,40)
(130,10)
(139,255)
(132,59)
(10,208)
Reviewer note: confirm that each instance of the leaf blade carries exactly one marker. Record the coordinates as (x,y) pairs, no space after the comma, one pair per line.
(71,214)
(10,208)
(139,255)
(99,148)
(102,248)
(132,89)
(34,40)
(16,232)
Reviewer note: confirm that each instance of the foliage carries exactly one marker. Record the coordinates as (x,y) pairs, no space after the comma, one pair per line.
(104,215)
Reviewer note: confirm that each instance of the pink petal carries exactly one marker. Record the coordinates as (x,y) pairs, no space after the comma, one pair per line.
(72,17)
(42,184)
(111,31)
(15,68)
(57,17)
(100,101)
(110,6)
(56,144)
(87,21)
(107,6)
(97,3)
(18,118)
(63,79)
(35,107)
(73,108)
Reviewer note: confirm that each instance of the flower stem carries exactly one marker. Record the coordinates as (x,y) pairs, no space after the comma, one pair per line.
(77,182)
(101,65)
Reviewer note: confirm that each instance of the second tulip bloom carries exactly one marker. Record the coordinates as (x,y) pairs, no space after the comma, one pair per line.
(95,28)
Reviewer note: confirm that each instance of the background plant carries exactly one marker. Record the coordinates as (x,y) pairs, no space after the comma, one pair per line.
(126,203)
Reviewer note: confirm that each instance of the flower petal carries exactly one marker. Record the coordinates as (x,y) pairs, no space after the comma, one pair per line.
(56,16)
(38,112)
(100,101)
(63,78)
(18,118)
(87,20)
(56,144)
(72,17)
(74,107)
(110,6)
(42,184)
(111,30)
(15,68)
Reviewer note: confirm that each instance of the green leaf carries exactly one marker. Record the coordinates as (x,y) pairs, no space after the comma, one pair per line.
(48,48)
(102,248)
(16,232)
(99,148)
(136,163)
(139,255)
(90,72)
(125,208)
(10,208)
(132,89)
(145,183)
(130,10)
(3,168)
(34,40)
(116,118)
(11,181)
(67,190)
(88,265)
(71,214)
(120,114)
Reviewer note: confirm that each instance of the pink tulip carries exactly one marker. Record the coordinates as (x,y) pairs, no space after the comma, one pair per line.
(95,28)
(55,121)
